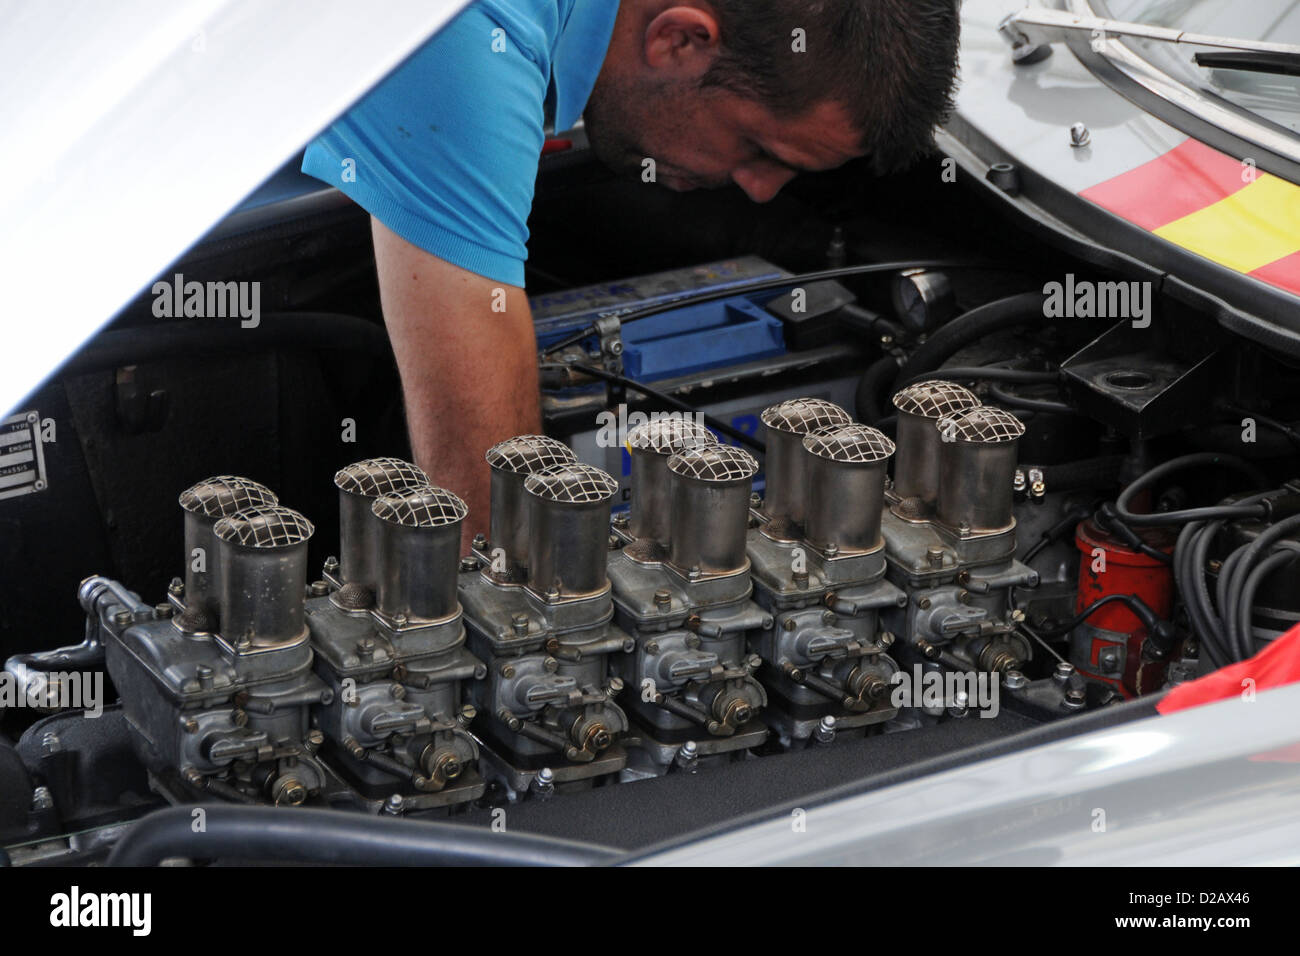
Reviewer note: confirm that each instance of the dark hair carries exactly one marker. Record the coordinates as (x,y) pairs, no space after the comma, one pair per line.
(891,63)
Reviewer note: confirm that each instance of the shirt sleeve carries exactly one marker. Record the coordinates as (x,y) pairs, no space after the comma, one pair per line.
(444,151)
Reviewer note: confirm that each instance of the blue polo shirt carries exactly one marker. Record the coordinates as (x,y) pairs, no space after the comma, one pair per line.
(444,151)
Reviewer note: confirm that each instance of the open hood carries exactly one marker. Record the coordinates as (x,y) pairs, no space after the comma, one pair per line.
(129,129)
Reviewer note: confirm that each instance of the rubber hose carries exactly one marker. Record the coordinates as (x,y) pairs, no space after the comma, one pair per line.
(1251,585)
(305,331)
(336,837)
(874,381)
(969,327)
(1103,471)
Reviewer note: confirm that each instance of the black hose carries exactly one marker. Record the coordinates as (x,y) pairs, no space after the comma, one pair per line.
(1285,554)
(1141,610)
(1047,406)
(335,837)
(716,424)
(970,327)
(1205,624)
(1281,427)
(1189,514)
(1068,523)
(1108,520)
(1100,472)
(305,331)
(989,373)
(760,285)
(871,387)
(1238,573)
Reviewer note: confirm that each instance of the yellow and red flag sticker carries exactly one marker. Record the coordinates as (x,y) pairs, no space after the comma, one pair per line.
(1218,207)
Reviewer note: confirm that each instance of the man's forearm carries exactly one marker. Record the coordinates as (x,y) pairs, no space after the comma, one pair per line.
(466,352)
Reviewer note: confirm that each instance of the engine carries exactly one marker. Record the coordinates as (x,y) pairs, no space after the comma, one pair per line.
(540,614)
(950,531)
(820,566)
(682,590)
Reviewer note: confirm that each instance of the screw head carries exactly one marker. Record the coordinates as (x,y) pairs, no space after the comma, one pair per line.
(1080,136)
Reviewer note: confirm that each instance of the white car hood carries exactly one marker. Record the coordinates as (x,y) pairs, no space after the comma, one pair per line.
(129,128)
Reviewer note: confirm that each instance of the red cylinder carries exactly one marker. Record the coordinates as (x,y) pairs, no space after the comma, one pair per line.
(1108,566)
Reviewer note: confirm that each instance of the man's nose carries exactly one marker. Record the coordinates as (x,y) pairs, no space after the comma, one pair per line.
(762,185)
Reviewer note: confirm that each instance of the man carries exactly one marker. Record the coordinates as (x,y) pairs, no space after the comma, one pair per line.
(444,153)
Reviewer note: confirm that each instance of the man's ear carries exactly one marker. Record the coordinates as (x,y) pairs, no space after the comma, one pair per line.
(682,40)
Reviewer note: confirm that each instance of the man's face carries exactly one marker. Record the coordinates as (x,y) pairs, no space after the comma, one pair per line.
(708,138)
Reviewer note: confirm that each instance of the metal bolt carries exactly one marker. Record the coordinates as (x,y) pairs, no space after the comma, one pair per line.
(688,755)
(1064,671)
(393,805)
(122,618)
(480,541)
(519,622)
(331,563)
(1014,680)
(50,743)
(663,599)
(319,589)
(960,704)
(825,732)
(176,587)
(469,564)
(42,799)
(544,783)
(1079,136)
(934,557)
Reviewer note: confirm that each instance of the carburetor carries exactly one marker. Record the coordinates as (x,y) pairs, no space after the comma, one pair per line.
(950,532)
(682,590)
(218,684)
(390,640)
(539,612)
(819,570)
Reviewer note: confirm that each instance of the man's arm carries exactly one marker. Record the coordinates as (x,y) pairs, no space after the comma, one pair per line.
(469,373)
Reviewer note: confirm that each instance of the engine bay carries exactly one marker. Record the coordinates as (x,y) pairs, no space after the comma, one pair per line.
(829,491)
